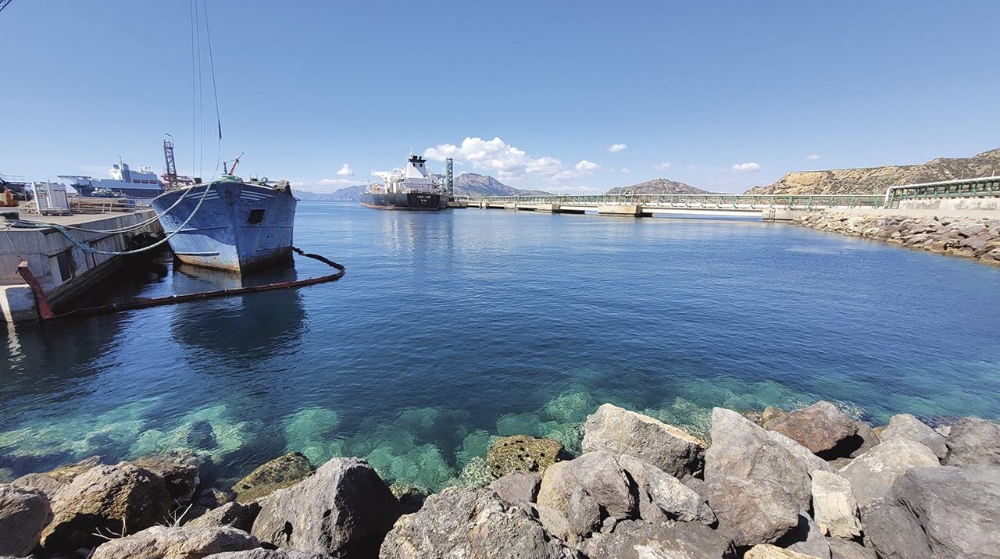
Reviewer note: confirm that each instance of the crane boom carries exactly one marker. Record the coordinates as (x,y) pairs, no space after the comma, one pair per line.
(3,4)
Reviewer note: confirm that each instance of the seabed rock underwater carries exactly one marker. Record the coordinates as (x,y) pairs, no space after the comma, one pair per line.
(640,489)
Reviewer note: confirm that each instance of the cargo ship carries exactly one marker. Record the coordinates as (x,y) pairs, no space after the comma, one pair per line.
(123,182)
(409,188)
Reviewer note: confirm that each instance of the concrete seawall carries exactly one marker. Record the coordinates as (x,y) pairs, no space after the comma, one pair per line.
(64,271)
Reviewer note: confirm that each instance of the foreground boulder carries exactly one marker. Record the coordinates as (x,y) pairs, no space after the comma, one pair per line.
(518,488)
(753,511)
(973,442)
(767,551)
(577,495)
(180,474)
(743,450)
(271,476)
(674,499)
(106,501)
(522,453)
(872,474)
(232,515)
(343,508)
(835,505)
(906,426)
(261,553)
(463,523)
(161,542)
(637,539)
(23,515)
(624,432)
(821,428)
(939,512)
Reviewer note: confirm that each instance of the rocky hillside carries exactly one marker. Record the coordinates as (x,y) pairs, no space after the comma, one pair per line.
(874,180)
(658,186)
(350,194)
(471,184)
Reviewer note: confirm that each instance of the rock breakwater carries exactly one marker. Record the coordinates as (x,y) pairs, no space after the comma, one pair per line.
(911,491)
(975,238)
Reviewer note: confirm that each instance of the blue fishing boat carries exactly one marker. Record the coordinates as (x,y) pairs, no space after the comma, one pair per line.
(229,224)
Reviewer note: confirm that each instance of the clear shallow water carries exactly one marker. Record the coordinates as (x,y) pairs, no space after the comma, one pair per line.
(456,327)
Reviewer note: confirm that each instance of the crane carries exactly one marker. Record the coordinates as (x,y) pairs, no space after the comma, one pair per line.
(233,167)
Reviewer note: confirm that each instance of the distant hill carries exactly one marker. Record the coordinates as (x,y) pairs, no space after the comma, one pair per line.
(874,180)
(658,186)
(350,194)
(471,184)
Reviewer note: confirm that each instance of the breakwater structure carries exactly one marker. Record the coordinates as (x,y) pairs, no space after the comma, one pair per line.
(65,256)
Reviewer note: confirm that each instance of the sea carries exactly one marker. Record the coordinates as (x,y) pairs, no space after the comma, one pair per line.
(451,329)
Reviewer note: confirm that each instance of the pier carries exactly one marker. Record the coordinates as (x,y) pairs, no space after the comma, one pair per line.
(63,270)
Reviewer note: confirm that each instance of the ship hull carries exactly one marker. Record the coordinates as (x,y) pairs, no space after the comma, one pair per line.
(123,190)
(409,201)
(239,227)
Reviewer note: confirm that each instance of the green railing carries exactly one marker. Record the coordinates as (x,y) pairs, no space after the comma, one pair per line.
(700,201)
(979,187)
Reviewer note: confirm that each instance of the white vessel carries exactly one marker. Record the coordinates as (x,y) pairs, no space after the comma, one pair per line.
(124,182)
(409,188)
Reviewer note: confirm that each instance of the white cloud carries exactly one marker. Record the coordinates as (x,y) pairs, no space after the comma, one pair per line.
(746,167)
(543,166)
(617,147)
(493,156)
(663,166)
(587,167)
(337,182)
(626,170)
(812,157)
(346,171)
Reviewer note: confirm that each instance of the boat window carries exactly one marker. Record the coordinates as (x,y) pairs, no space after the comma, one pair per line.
(255,217)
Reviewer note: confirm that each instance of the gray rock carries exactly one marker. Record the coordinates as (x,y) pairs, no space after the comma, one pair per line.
(973,442)
(743,450)
(465,523)
(23,515)
(179,473)
(941,512)
(675,499)
(754,511)
(233,515)
(834,505)
(260,553)
(213,497)
(106,500)
(906,426)
(871,474)
(844,549)
(624,432)
(583,514)
(821,427)
(160,542)
(45,483)
(768,551)
(637,539)
(518,488)
(806,538)
(343,508)
(867,437)
(599,474)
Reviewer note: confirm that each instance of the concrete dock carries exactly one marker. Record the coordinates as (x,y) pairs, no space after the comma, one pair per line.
(64,270)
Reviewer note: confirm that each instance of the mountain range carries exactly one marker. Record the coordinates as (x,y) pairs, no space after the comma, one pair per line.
(874,180)
(658,186)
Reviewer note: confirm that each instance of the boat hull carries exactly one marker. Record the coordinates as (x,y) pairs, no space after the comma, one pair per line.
(409,201)
(151,192)
(239,227)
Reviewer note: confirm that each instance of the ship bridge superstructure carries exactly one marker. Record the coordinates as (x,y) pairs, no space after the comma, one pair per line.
(413,178)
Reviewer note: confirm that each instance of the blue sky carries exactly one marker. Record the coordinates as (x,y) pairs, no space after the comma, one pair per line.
(573,97)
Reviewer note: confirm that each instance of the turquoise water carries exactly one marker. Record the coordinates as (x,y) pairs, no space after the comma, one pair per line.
(450,329)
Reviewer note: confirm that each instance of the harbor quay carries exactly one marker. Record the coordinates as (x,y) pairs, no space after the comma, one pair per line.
(65,255)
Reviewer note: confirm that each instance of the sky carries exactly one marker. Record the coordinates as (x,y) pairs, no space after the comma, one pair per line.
(571,97)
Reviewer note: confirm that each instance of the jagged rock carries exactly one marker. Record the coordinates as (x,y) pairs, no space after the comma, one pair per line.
(771,417)
(213,497)
(261,553)
(767,551)
(184,542)
(906,426)
(518,488)
(754,510)
(806,538)
(23,515)
(939,512)
(233,515)
(343,508)
(522,453)
(666,492)
(45,483)
(279,473)
(106,500)
(596,473)
(410,497)
(868,438)
(624,432)
(179,472)
(743,450)
(68,472)
(637,539)
(834,505)
(820,427)
(844,549)
(464,523)
(871,474)
(973,442)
